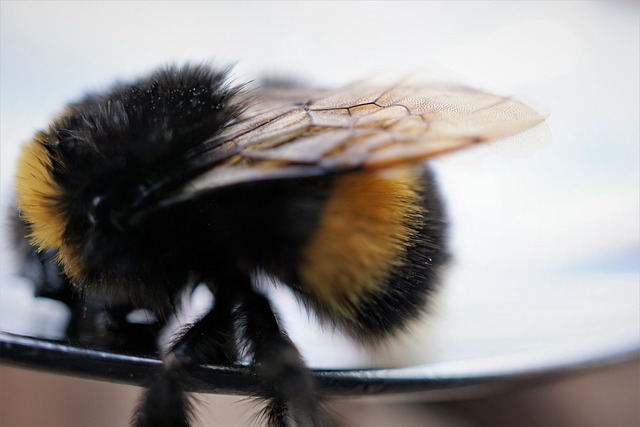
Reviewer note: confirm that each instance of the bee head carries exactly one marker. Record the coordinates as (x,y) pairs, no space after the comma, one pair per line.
(80,182)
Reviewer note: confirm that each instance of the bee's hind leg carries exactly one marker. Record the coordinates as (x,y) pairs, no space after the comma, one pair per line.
(209,340)
(286,381)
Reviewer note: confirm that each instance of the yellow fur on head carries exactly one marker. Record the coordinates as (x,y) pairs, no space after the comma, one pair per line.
(37,195)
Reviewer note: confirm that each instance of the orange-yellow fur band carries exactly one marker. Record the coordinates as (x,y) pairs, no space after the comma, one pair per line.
(362,236)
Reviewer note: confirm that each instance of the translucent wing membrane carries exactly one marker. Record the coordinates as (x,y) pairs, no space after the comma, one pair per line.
(289,132)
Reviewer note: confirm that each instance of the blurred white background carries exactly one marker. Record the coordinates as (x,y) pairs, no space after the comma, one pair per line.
(546,241)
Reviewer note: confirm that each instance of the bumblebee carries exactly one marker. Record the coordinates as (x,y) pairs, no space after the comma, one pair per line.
(181,178)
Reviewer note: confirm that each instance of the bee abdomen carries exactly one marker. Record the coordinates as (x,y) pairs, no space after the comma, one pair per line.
(373,258)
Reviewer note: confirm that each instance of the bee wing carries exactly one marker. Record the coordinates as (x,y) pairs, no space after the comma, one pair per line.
(294,132)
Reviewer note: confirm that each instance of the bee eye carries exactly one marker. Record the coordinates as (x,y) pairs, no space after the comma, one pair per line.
(103,212)
(90,219)
(92,215)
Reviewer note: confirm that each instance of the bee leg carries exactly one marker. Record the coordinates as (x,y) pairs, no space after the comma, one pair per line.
(209,340)
(288,384)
